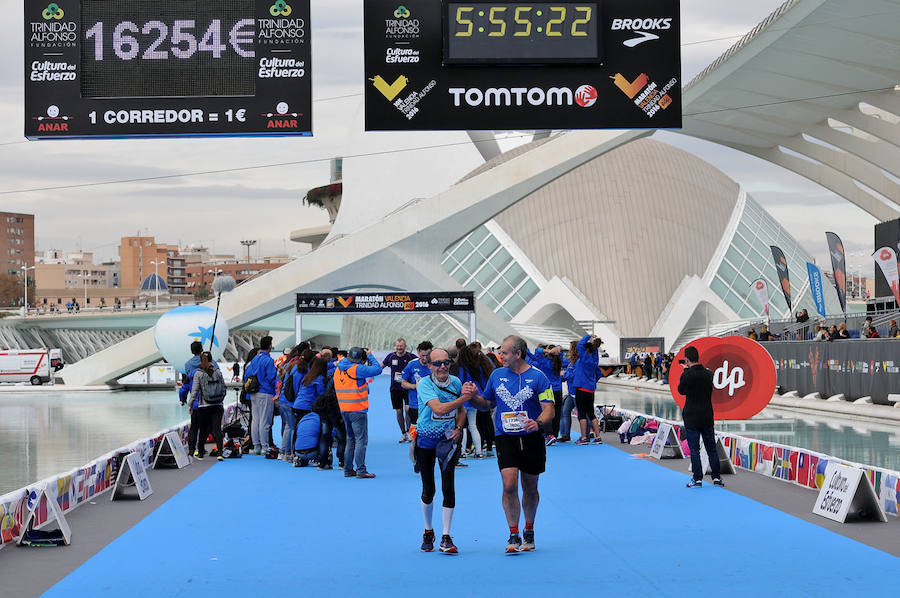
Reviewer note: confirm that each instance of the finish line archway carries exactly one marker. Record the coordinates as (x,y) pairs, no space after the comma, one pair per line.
(373,303)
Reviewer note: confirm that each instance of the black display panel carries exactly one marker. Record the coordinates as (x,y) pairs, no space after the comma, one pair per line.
(521,32)
(887,234)
(625,73)
(161,68)
(385,302)
(148,48)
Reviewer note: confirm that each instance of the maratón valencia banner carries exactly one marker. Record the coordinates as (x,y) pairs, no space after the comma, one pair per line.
(368,302)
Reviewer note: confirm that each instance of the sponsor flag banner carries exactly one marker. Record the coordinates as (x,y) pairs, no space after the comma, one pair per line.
(782,268)
(838,267)
(886,258)
(816,287)
(761,290)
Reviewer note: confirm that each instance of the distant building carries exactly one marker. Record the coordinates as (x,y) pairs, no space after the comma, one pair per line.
(16,242)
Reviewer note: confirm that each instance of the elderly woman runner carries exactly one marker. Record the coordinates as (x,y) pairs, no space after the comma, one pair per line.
(441,417)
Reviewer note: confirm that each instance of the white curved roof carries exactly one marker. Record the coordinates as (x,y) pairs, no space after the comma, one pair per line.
(813,88)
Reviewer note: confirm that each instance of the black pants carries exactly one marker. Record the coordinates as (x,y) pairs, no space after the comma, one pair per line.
(211,423)
(193,431)
(325,440)
(485,425)
(584,402)
(557,411)
(709,443)
(426,459)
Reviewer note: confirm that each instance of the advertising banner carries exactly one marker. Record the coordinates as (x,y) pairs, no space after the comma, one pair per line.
(887,234)
(782,268)
(838,267)
(640,345)
(855,369)
(816,288)
(445,65)
(743,375)
(373,303)
(886,258)
(761,290)
(95,68)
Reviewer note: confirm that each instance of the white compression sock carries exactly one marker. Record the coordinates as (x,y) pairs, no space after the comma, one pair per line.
(448,519)
(427,510)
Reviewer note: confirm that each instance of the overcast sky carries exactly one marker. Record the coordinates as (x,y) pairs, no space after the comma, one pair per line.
(219,210)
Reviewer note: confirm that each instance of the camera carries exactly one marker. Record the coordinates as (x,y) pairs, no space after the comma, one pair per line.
(681,362)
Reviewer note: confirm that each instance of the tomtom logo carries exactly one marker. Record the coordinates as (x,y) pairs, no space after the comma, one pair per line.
(584,96)
(642,27)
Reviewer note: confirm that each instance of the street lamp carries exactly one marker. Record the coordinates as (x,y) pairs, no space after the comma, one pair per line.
(83,276)
(248,244)
(26,269)
(156,279)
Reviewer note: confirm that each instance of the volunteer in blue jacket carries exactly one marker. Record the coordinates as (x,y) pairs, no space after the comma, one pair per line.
(190,368)
(565,418)
(548,360)
(586,372)
(306,447)
(352,389)
(438,429)
(524,400)
(262,403)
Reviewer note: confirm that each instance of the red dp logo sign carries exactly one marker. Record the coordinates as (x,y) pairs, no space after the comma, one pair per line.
(743,375)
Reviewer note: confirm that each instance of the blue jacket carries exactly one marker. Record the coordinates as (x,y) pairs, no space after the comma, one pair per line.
(305,394)
(331,368)
(190,366)
(308,432)
(586,369)
(264,369)
(539,360)
(569,376)
(364,371)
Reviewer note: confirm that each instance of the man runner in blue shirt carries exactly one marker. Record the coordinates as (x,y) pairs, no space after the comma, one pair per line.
(525,403)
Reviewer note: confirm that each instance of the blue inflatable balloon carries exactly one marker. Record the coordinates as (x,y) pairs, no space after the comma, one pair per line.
(178,328)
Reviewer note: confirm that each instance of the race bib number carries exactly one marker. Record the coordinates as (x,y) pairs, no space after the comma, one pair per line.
(513,421)
(451,415)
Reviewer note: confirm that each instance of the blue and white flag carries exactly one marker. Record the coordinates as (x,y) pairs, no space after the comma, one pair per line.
(816,287)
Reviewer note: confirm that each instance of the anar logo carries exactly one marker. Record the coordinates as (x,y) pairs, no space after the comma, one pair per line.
(390,91)
(586,96)
(280,9)
(53,11)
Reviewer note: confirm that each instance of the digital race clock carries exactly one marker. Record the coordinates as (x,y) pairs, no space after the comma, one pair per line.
(517,32)
(97,68)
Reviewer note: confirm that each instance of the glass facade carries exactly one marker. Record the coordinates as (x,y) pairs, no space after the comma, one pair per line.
(748,257)
(481,264)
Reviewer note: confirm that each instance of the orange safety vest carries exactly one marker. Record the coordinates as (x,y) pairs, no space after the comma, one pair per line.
(350,396)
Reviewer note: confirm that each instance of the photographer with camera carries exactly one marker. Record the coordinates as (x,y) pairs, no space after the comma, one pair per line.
(696,384)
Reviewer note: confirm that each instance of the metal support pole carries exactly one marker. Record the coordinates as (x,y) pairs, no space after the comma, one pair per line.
(298,328)
(473,329)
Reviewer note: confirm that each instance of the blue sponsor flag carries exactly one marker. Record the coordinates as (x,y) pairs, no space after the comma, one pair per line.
(816,287)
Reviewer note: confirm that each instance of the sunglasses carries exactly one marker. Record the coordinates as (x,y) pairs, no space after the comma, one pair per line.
(442,363)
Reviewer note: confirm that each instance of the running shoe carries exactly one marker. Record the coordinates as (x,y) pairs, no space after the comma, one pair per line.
(597,440)
(350,474)
(564,439)
(551,439)
(402,439)
(365,475)
(324,467)
(198,456)
(527,540)
(583,440)
(447,546)
(513,544)
(694,484)
(489,453)
(718,482)
(221,458)
(479,455)
(428,541)
(461,464)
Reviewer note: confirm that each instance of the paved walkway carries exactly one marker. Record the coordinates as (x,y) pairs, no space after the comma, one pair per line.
(607,524)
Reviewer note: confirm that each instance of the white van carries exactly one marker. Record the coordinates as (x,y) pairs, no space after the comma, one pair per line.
(27,365)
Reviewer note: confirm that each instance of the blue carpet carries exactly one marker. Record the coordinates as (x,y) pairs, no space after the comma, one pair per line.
(607,525)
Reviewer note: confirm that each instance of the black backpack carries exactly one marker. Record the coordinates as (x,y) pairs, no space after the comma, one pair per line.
(216,391)
(287,387)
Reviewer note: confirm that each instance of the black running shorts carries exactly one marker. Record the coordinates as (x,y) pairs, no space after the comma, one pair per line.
(526,453)
(398,397)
